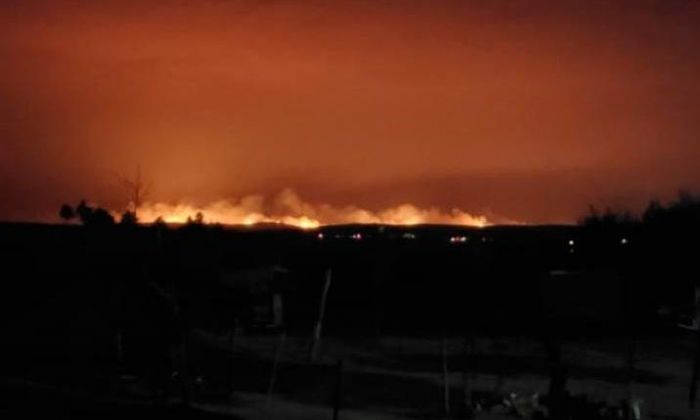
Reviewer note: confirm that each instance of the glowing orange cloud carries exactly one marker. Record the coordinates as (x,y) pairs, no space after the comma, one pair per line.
(288,208)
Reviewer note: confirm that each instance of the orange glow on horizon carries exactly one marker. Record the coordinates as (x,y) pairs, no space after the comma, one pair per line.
(288,209)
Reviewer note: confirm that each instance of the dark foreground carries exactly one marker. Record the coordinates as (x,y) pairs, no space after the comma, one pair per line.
(200,322)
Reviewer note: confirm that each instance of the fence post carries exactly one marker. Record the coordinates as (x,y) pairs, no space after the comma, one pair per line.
(120,347)
(338,389)
(696,372)
(468,372)
(234,341)
(275,364)
(445,376)
(321,313)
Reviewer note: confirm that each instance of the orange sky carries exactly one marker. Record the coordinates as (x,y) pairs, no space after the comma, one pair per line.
(525,111)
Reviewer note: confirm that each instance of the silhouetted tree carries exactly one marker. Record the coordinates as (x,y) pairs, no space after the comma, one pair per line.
(610,221)
(653,212)
(128,218)
(591,219)
(84,212)
(101,217)
(136,190)
(686,210)
(93,216)
(198,219)
(67,213)
(679,217)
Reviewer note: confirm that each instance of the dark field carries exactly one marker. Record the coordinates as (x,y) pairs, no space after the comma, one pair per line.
(213,322)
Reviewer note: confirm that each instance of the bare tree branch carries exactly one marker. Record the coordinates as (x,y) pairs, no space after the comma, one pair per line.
(136,189)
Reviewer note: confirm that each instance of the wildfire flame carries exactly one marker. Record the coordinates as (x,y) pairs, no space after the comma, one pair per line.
(288,208)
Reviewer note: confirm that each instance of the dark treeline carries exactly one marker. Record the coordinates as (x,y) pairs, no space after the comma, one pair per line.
(663,248)
(677,218)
